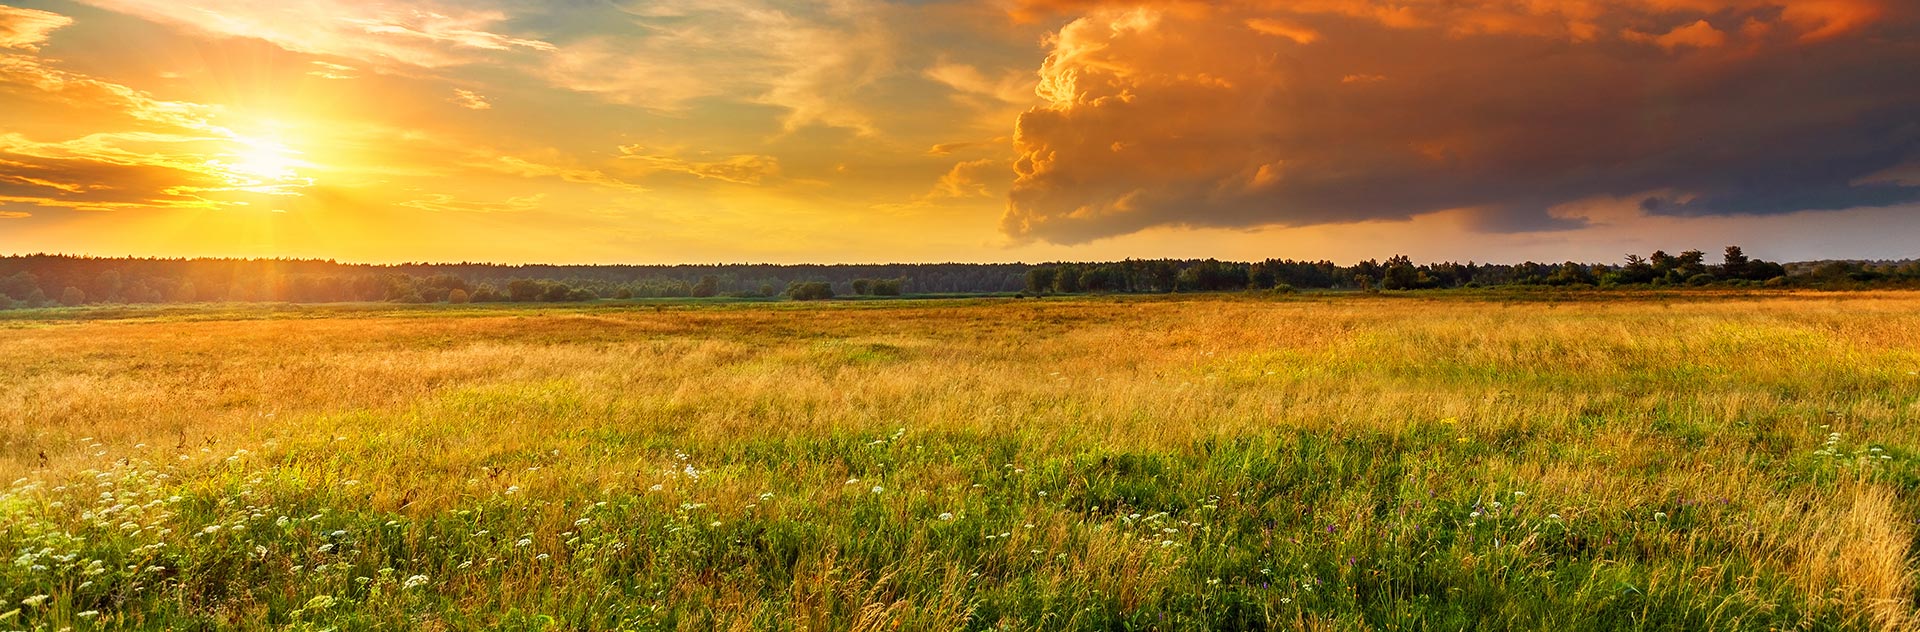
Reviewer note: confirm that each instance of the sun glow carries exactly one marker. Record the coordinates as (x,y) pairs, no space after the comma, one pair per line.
(265,160)
(263,163)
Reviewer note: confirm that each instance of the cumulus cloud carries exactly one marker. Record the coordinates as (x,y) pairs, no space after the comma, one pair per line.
(1331,111)
(27,29)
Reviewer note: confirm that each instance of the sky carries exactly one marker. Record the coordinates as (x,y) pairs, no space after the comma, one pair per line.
(706,131)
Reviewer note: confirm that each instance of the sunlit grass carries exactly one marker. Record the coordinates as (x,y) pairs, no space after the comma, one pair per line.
(1211,463)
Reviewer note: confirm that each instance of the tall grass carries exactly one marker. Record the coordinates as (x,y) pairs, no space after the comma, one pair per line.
(1209,463)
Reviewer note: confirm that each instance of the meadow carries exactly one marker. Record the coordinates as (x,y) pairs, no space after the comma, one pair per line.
(1193,462)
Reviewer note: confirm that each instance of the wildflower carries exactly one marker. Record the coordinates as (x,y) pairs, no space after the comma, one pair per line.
(541,557)
(946,516)
(1659,515)
(656,487)
(34,601)
(414,581)
(87,614)
(524,542)
(1553,516)
(877,489)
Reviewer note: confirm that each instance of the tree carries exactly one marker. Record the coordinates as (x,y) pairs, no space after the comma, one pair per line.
(1690,263)
(809,290)
(1040,279)
(709,285)
(523,290)
(1400,274)
(1637,270)
(72,296)
(457,296)
(1734,263)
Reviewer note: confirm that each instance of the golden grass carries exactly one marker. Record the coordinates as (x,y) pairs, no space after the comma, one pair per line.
(1606,409)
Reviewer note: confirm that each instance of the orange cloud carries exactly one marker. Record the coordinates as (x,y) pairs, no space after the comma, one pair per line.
(737,169)
(1575,20)
(27,29)
(1190,119)
(1699,34)
(470,100)
(424,34)
(1280,28)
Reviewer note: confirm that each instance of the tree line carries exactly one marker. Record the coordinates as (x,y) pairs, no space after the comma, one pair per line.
(43,280)
(1688,268)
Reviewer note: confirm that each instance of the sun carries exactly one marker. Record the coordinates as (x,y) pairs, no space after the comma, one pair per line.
(262,162)
(265,159)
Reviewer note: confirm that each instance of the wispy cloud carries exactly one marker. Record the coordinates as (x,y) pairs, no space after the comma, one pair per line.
(447,203)
(737,169)
(411,34)
(27,29)
(813,62)
(470,100)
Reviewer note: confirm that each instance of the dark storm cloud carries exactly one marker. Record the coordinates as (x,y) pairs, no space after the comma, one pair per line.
(1177,114)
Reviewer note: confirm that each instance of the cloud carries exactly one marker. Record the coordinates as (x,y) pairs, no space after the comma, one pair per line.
(1573,20)
(811,61)
(1197,115)
(737,169)
(545,167)
(152,153)
(1700,34)
(83,92)
(328,70)
(966,179)
(1281,28)
(470,100)
(1016,87)
(131,170)
(15,215)
(384,35)
(445,203)
(27,29)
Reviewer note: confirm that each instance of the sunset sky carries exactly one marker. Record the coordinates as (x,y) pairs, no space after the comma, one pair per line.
(917,130)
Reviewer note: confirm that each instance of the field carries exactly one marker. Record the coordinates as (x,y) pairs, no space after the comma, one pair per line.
(1316,462)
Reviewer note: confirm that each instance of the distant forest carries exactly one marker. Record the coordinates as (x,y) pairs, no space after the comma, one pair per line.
(51,280)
